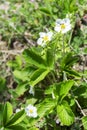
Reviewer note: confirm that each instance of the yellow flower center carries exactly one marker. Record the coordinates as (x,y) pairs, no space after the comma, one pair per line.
(31,111)
(45,38)
(63,26)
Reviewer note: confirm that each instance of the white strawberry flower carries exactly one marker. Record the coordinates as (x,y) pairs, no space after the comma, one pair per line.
(31,91)
(44,38)
(57,121)
(18,109)
(62,25)
(31,111)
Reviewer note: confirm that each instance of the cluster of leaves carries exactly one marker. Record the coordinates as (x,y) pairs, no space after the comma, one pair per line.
(58,88)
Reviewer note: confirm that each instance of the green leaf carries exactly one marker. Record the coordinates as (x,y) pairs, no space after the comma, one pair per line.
(73,6)
(50,58)
(49,90)
(37,76)
(68,60)
(33,128)
(45,10)
(21,88)
(84,122)
(31,101)
(85,50)
(1,113)
(81,91)
(4,129)
(16,119)
(24,74)
(12,64)
(21,75)
(34,58)
(17,63)
(65,114)
(72,72)
(17,127)
(2,84)
(19,60)
(7,113)
(46,107)
(63,88)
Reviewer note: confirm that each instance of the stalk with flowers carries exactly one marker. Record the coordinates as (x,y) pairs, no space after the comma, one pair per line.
(47,84)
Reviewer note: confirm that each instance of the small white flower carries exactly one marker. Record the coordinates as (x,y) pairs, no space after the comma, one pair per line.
(17,110)
(62,25)
(31,91)
(31,111)
(44,37)
(53,96)
(57,121)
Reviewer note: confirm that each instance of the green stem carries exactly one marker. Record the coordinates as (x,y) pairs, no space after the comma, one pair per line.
(63,46)
(46,128)
(53,75)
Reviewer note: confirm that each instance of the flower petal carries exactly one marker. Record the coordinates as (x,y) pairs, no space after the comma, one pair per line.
(66,20)
(58,21)
(42,34)
(57,28)
(39,41)
(49,34)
